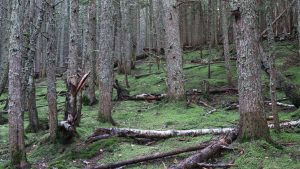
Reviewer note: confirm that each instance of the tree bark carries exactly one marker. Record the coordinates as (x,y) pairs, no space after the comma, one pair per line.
(252,123)
(16,125)
(173,50)
(4,49)
(91,51)
(105,60)
(51,69)
(298,26)
(206,153)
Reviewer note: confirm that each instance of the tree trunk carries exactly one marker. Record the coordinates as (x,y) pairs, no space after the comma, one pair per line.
(91,51)
(16,125)
(298,26)
(224,13)
(29,75)
(71,114)
(271,58)
(4,49)
(105,60)
(51,69)
(253,123)
(173,51)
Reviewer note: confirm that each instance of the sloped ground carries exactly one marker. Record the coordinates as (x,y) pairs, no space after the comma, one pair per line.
(163,116)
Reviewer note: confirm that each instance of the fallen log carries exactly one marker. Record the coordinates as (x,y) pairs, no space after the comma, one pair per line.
(153,157)
(148,97)
(206,153)
(156,134)
(282,104)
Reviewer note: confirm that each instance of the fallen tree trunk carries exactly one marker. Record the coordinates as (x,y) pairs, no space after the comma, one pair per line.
(136,133)
(214,91)
(148,97)
(153,157)
(207,153)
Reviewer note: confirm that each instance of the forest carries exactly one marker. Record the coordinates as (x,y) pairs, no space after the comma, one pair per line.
(149,84)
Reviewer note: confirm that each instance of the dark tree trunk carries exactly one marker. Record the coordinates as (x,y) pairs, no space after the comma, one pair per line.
(16,125)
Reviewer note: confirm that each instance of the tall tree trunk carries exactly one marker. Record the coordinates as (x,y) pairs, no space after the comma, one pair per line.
(126,37)
(51,69)
(298,26)
(253,123)
(4,50)
(224,13)
(105,60)
(71,114)
(91,51)
(16,125)
(29,74)
(173,51)
(271,58)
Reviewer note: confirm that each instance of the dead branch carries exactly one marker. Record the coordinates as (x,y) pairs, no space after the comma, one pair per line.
(282,104)
(154,156)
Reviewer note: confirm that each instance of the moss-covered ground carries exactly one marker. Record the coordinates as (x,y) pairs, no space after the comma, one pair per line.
(162,115)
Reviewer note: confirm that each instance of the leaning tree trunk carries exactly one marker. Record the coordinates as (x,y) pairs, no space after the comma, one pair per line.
(105,60)
(16,125)
(253,123)
(173,51)
(51,69)
(224,13)
(4,49)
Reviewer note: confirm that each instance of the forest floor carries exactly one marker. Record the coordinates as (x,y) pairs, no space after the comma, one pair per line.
(162,115)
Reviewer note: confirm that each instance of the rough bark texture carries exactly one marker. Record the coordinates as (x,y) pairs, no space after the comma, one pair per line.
(16,126)
(253,123)
(224,14)
(173,51)
(206,153)
(73,42)
(4,48)
(105,60)
(298,26)
(91,51)
(51,75)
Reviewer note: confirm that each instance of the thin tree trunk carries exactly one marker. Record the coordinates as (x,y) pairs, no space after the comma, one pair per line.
(105,60)
(91,51)
(298,26)
(271,59)
(51,69)
(224,13)
(173,51)
(16,125)
(253,123)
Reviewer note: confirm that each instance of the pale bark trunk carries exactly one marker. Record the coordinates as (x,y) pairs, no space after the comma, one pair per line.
(253,123)
(105,60)
(224,13)
(173,51)
(51,75)
(16,125)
